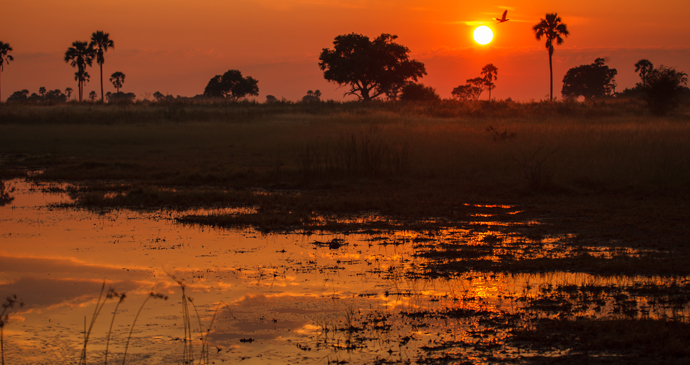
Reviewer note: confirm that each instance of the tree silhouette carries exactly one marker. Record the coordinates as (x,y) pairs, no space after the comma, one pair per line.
(664,86)
(93,95)
(466,92)
(68,92)
(231,85)
(5,57)
(418,92)
(80,55)
(102,42)
(117,78)
(644,67)
(42,91)
(590,81)
(312,96)
(552,29)
(490,73)
(369,68)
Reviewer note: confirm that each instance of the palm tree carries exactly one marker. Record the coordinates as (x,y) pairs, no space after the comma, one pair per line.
(117,78)
(490,73)
(102,42)
(552,29)
(80,55)
(4,58)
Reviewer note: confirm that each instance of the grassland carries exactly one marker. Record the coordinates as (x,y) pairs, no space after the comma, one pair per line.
(610,171)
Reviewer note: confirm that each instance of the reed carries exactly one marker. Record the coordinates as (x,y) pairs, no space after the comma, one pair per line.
(112,321)
(131,330)
(9,304)
(96,312)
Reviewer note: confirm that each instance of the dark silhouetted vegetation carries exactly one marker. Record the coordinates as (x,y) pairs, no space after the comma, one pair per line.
(369,68)
(552,29)
(418,92)
(643,67)
(80,55)
(231,85)
(101,42)
(312,96)
(490,73)
(50,97)
(591,81)
(118,79)
(664,88)
(5,57)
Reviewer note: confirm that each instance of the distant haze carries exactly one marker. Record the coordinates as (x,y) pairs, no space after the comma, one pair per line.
(176,46)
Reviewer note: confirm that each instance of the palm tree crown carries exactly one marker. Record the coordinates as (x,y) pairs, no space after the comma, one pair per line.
(5,57)
(102,42)
(80,55)
(552,29)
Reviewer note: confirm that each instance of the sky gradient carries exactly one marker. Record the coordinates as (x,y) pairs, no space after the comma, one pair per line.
(176,46)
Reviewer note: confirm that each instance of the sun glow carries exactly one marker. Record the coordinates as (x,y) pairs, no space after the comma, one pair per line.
(483,34)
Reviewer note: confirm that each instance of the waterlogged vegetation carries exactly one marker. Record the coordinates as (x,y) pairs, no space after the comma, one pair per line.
(440,232)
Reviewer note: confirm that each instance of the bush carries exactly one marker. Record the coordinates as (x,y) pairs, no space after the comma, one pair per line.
(663,90)
(418,92)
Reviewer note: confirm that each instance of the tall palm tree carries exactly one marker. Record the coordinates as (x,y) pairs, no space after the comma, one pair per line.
(4,58)
(102,42)
(80,55)
(552,29)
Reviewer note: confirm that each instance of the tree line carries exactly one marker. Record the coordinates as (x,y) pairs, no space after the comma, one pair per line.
(377,68)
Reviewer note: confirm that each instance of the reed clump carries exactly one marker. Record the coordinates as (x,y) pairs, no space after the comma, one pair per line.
(7,306)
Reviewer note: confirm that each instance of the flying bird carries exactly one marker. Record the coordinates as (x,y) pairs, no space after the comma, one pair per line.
(501,20)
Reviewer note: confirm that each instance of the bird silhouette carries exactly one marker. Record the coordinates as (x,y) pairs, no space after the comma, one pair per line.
(503,19)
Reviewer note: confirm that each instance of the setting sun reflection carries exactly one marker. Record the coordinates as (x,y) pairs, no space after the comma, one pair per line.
(272,297)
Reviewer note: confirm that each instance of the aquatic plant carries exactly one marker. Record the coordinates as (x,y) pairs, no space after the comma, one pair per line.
(129,337)
(9,303)
(122,296)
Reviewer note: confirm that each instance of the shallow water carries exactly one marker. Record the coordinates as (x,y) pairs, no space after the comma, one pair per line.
(273,299)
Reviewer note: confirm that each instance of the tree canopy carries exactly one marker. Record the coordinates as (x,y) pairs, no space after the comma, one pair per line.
(664,87)
(418,92)
(231,85)
(590,81)
(118,79)
(369,68)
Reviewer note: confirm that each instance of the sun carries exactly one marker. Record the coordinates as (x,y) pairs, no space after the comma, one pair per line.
(483,34)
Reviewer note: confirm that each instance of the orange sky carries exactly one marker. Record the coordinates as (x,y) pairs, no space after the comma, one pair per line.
(176,46)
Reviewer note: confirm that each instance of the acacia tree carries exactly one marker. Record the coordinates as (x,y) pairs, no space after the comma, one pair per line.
(80,55)
(5,57)
(369,68)
(466,92)
(102,42)
(231,85)
(117,78)
(490,73)
(552,29)
(590,81)
(644,67)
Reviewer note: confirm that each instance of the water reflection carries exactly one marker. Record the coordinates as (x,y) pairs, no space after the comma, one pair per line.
(286,298)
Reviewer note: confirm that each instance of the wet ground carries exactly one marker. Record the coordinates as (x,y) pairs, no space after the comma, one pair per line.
(455,295)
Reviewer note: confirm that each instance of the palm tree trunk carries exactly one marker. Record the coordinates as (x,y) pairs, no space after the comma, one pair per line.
(101,81)
(551,72)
